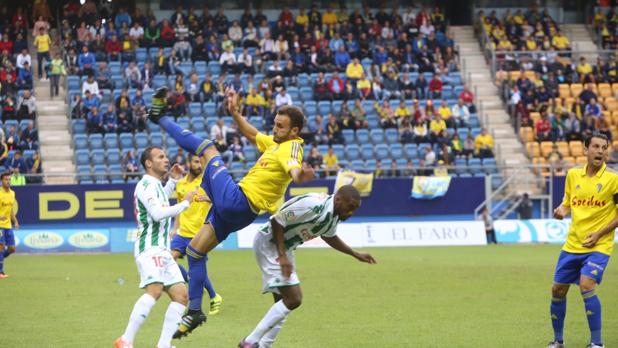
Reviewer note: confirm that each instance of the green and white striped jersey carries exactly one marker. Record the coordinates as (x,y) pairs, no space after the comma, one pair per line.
(304,218)
(153,213)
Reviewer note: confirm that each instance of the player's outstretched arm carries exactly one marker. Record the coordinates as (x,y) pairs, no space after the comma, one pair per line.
(561,212)
(339,245)
(303,174)
(246,128)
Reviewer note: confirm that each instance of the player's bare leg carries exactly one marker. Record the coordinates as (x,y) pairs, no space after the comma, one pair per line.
(266,331)
(558,313)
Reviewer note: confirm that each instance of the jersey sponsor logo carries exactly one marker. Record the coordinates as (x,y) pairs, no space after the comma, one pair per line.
(43,240)
(586,202)
(216,164)
(88,240)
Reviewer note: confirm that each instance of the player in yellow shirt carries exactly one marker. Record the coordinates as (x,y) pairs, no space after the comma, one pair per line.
(42,42)
(235,206)
(591,197)
(8,219)
(189,222)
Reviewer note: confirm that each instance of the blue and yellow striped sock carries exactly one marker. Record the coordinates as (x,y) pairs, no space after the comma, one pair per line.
(184,137)
(558,313)
(197,277)
(593,313)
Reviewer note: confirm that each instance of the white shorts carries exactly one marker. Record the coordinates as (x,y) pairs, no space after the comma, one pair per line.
(266,256)
(158,266)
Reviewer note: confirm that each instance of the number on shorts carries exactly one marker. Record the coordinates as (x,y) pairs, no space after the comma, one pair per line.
(158,261)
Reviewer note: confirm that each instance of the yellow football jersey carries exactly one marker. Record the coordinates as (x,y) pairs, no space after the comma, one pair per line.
(593,202)
(192,219)
(268,179)
(7,204)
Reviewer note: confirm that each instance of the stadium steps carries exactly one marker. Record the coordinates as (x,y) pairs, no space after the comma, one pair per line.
(476,72)
(54,135)
(582,40)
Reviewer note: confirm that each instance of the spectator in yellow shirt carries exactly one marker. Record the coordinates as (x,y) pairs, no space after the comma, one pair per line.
(42,42)
(531,44)
(364,87)
(254,104)
(446,113)
(585,71)
(302,18)
(329,17)
(436,126)
(484,144)
(402,111)
(331,163)
(561,42)
(354,71)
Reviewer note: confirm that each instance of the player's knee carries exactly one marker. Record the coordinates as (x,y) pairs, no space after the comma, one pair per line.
(559,290)
(181,297)
(587,284)
(293,302)
(155,290)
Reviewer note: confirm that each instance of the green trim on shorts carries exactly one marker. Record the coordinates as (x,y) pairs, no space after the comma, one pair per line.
(169,286)
(152,282)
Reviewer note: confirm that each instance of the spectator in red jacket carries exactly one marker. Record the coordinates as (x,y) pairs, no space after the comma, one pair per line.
(468,98)
(435,87)
(6,44)
(543,128)
(335,85)
(113,48)
(286,17)
(167,34)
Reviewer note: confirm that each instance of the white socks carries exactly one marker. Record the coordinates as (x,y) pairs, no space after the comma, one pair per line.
(170,323)
(274,316)
(269,338)
(139,314)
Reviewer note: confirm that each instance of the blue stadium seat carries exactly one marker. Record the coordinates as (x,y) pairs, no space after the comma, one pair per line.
(237,168)
(115,174)
(310,107)
(373,121)
(323,149)
(348,136)
(496,181)
(195,109)
(304,80)
(362,136)
(80,141)
(352,152)
(411,151)
(170,143)
(73,82)
(339,150)
(82,157)
(367,151)
(370,165)
(490,166)
(402,163)
(215,67)
(126,141)
(114,68)
(158,81)
(382,152)
(156,139)
(97,157)
(294,94)
(197,124)
(396,151)
(249,164)
(95,141)
(324,107)
(421,149)
(83,173)
(358,165)
(460,166)
(250,152)
(210,109)
(186,68)
(377,136)
(391,135)
(336,106)
(141,140)
(153,127)
(113,156)
(111,141)
(28,154)
(200,68)
(100,174)
(257,122)
(474,165)
(184,122)
(306,93)
(141,54)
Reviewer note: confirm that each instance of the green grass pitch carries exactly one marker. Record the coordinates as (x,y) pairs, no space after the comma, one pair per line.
(493,296)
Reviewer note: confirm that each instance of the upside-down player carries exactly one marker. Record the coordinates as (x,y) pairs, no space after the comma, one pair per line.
(591,196)
(300,219)
(234,206)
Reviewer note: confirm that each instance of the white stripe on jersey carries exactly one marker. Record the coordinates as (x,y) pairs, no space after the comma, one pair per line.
(151,234)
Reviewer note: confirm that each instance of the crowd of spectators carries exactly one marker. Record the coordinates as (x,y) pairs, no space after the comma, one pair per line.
(605,24)
(19,143)
(352,56)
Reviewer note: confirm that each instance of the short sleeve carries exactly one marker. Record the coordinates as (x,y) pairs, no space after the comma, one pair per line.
(298,210)
(263,141)
(290,155)
(566,201)
(179,195)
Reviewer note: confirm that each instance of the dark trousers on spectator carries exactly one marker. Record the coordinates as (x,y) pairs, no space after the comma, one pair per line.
(39,57)
(491,236)
(54,85)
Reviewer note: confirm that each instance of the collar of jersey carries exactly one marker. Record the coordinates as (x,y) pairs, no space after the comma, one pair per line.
(598,174)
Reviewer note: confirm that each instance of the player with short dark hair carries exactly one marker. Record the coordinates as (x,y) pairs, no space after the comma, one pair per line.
(299,220)
(155,264)
(189,222)
(8,220)
(235,206)
(591,197)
